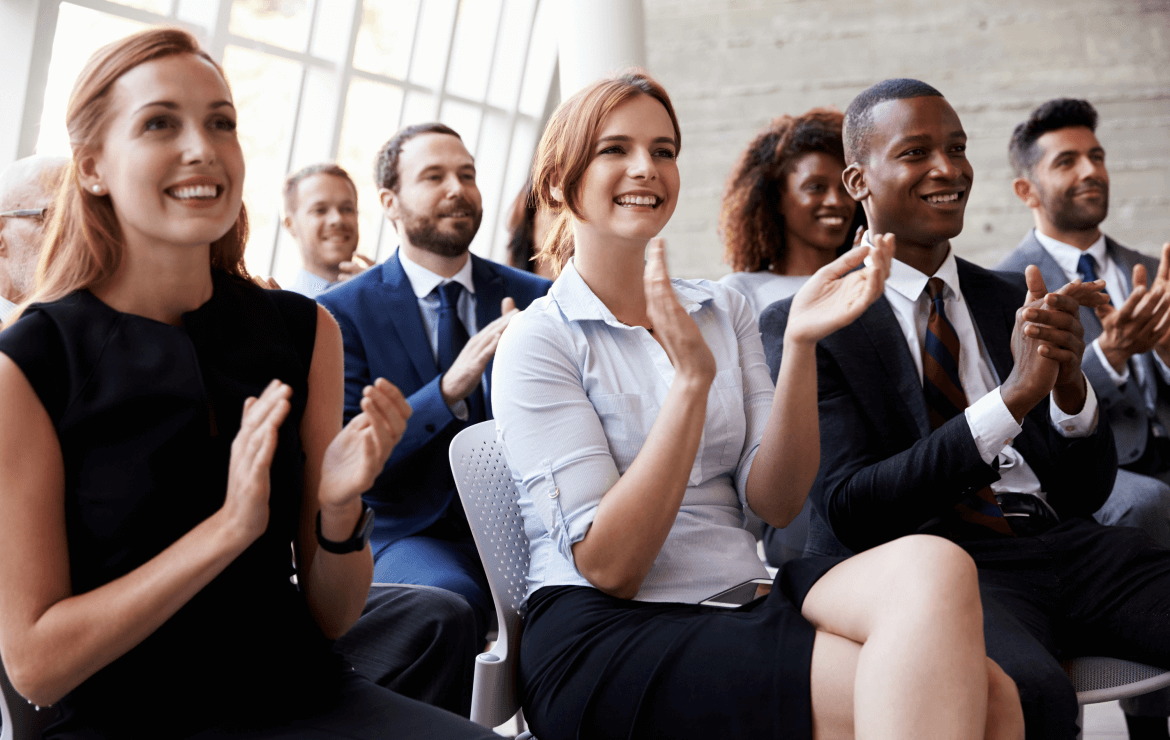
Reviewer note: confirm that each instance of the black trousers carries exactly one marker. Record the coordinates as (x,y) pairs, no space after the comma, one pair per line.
(1079,589)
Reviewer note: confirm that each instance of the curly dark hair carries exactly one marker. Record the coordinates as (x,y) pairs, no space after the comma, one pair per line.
(1055,114)
(386,163)
(750,221)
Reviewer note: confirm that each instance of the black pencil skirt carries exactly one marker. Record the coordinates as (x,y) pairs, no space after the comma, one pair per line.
(595,666)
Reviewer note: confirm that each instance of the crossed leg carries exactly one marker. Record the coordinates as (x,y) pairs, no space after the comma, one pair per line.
(899,636)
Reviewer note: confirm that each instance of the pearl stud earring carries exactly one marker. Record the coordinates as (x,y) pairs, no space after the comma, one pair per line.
(97,188)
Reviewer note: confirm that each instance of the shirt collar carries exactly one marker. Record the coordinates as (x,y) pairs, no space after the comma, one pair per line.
(423,281)
(579,303)
(909,282)
(1067,256)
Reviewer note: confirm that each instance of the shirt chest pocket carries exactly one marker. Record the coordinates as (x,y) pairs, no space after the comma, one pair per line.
(726,424)
(621,416)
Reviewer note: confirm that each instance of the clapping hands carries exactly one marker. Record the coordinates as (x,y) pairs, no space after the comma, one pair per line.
(356,456)
(838,293)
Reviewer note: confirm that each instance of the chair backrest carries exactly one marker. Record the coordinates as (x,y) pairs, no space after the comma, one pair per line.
(22,721)
(490,499)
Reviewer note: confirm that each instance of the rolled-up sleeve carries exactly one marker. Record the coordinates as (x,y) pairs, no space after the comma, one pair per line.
(758,391)
(550,431)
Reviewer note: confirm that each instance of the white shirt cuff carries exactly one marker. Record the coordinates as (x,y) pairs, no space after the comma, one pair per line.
(459,410)
(1118,379)
(1080,424)
(992,425)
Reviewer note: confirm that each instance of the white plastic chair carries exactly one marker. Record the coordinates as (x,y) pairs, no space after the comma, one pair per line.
(490,499)
(1108,679)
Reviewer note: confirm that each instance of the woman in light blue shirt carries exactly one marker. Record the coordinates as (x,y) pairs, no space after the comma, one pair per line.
(638,416)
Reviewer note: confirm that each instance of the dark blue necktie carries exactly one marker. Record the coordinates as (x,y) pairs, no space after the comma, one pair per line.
(452,339)
(946,399)
(1087,267)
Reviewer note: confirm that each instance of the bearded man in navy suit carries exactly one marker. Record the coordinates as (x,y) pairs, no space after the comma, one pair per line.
(399,321)
(956,406)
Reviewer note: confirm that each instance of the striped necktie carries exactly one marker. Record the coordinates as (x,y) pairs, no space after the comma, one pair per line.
(945,399)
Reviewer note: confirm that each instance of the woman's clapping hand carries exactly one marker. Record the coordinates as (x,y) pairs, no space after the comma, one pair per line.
(251,458)
(673,327)
(357,455)
(838,293)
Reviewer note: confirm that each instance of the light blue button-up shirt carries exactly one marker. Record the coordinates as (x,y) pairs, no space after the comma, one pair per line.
(576,392)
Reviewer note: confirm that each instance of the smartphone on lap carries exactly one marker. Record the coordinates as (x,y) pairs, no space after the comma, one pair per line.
(737,596)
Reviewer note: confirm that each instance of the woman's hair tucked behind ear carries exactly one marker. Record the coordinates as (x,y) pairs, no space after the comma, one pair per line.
(750,221)
(83,242)
(566,148)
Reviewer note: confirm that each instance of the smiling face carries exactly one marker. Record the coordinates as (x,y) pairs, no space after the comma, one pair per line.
(630,188)
(170,160)
(816,206)
(437,206)
(1070,180)
(325,222)
(916,179)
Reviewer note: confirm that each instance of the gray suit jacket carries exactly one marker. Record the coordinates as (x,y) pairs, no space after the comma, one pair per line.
(1129,406)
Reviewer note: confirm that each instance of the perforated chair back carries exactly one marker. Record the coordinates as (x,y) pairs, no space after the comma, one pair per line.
(490,499)
(22,721)
(1099,680)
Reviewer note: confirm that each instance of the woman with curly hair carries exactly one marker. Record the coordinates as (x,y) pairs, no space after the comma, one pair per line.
(786,213)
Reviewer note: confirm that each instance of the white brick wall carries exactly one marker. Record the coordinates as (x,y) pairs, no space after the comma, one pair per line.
(731,65)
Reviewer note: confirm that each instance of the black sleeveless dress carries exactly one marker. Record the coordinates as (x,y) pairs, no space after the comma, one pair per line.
(145,413)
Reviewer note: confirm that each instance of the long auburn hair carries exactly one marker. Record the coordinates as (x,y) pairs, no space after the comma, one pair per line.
(750,221)
(566,149)
(83,243)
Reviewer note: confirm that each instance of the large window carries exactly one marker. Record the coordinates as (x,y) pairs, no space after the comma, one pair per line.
(331,80)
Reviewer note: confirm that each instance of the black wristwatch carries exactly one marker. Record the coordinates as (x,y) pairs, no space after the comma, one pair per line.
(357,541)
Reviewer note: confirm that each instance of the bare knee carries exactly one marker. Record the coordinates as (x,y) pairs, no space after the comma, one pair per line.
(1005,716)
(935,572)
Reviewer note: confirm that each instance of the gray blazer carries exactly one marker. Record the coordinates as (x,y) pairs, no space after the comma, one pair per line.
(1129,406)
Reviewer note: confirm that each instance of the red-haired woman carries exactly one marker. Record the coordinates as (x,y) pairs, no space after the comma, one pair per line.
(168,430)
(638,415)
(786,214)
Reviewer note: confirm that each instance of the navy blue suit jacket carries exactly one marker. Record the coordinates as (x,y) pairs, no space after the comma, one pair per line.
(884,473)
(384,336)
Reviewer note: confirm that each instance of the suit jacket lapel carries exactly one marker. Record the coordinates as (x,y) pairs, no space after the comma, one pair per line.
(889,344)
(407,319)
(489,292)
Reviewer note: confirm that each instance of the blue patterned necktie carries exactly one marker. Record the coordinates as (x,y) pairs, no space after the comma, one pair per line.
(452,339)
(946,399)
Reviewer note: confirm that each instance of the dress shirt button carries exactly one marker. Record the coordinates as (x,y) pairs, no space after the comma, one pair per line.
(554,493)
(1069,427)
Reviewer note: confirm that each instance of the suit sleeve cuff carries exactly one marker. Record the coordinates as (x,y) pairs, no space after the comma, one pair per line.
(1119,379)
(1081,424)
(992,426)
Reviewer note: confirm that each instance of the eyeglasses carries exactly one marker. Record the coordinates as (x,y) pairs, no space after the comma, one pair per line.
(39,213)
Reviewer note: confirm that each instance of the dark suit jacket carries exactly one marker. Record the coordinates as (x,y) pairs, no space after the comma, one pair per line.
(883,472)
(1126,406)
(384,336)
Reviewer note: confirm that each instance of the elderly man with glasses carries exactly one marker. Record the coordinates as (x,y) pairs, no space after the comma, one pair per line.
(27,189)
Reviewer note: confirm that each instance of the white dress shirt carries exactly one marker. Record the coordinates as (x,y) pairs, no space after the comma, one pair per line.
(309,284)
(6,309)
(1118,287)
(992,425)
(425,285)
(575,395)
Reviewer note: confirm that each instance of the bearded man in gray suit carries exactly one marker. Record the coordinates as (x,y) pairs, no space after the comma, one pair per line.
(1061,177)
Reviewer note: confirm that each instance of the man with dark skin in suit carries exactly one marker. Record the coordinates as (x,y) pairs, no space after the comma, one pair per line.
(1014,471)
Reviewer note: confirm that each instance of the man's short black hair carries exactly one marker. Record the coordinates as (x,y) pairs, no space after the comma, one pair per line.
(859,116)
(386,164)
(1051,116)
